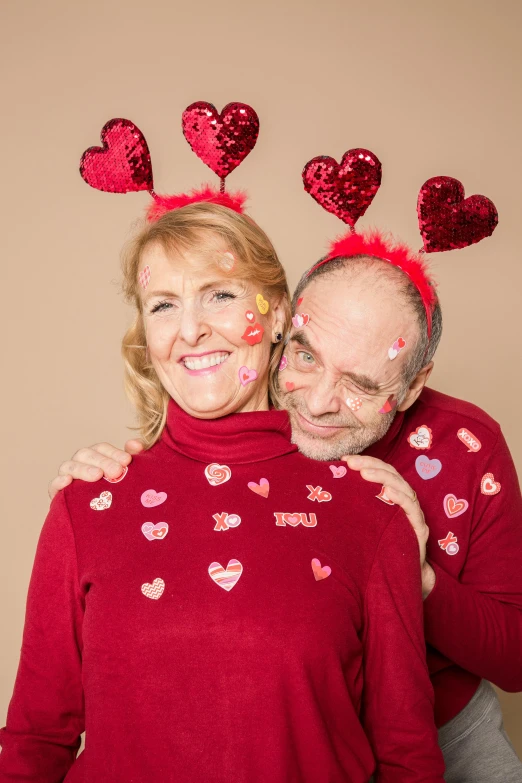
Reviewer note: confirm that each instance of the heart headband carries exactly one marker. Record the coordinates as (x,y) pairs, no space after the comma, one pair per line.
(123,165)
(447,220)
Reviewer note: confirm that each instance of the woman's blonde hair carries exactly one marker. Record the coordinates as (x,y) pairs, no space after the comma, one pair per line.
(206,228)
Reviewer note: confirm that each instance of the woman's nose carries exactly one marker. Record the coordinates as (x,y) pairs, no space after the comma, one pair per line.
(193,324)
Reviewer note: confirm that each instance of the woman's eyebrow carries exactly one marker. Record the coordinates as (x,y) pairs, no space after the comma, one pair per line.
(170,294)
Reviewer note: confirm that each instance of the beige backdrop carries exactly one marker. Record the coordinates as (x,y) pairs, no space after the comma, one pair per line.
(431,87)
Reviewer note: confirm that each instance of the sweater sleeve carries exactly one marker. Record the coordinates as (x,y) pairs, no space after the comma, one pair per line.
(398,697)
(476,621)
(46,715)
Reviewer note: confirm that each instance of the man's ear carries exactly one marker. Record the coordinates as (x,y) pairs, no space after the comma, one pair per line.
(416,386)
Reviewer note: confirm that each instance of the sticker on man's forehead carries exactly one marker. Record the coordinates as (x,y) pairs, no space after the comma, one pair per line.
(396,348)
(144,277)
(300,319)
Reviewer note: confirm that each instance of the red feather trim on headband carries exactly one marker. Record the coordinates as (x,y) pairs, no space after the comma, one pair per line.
(162,204)
(383,246)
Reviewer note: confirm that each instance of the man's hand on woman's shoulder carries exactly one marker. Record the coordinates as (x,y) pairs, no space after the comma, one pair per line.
(94,462)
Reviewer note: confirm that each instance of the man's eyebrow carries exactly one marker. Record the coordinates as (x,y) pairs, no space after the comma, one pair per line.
(363,381)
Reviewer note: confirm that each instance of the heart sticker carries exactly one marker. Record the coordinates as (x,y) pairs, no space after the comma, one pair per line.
(338,471)
(421,438)
(320,572)
(123,164)
(299,320)
(428,468)
(299,301)
(389,405)
(217,474)
(290,385)
(447,220)
(118,478)
(103,502)
(396,348)
(262,304)
(488,485)
(253,334)
(227,577)
(354,403)
(154,590)
(263,488)
(249,315)
(144,277)
(454,507)
(154,532)
(246,376)
(346,189)
(384,497)
(283,364)
(221,140)
(151,498)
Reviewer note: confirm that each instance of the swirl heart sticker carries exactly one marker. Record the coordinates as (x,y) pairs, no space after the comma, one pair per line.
(320,572)
(263,488)
(154,532)
(427,468)
(150,498)
(346,189)
(221,141)
(421,438)
(227,577)
(103,502)
(338,471)
(154,590)
(488,485)
(122,164)
(447,220)
(454,507)
(217,474)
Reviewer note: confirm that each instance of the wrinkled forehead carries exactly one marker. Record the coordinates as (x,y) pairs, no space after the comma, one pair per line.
(354,325)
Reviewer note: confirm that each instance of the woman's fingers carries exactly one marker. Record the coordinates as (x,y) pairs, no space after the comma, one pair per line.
(134,446)
(57,484)
(379,472)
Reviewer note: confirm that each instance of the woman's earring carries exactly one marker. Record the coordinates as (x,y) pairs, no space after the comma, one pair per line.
(278,337)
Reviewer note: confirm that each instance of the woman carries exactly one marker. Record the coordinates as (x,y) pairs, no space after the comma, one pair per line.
(225,608)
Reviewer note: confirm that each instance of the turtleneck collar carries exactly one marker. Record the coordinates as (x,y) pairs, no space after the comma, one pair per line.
(239,438)
(384,447)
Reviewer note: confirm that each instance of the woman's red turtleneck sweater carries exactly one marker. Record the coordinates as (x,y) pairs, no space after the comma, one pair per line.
(257,620)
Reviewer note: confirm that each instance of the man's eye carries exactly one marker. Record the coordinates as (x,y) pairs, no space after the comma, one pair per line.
(307,358)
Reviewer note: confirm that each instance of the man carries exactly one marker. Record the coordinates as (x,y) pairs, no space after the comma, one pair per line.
(354,384)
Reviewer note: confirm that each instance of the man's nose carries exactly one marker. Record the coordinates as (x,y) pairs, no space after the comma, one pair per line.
(193,324)
(323,396)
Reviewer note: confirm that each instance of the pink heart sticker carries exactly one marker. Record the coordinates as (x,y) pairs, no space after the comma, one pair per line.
(320,572)
(151,498)
(454,507)
(292,519)
(263,488)
(154,590)
(338,471)
(227,577)
(102,503)
(154,532)
(246,375)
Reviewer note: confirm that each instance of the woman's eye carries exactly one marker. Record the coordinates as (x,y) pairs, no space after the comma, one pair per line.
(161,306)
(223,296)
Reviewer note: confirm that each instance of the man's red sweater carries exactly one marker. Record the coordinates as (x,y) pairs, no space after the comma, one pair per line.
(467,486)
(255,620)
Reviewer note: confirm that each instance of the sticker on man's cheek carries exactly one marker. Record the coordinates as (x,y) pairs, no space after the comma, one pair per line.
(389,405)
(354,403)
(253,334)
(283,364)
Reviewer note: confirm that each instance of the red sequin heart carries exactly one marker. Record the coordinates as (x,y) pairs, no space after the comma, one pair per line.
(447,220)
(346,189)
(123,164)
(222,141)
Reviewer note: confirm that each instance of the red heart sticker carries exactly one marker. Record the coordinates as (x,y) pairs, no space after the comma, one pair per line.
(400,342)
(447,220)
(290,385)
(346,189)
(123,164)
(222,141)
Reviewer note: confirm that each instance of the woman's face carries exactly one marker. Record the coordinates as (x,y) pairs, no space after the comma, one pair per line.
(207,339)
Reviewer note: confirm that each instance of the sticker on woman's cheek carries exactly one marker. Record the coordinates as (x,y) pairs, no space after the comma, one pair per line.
(283,364)
(247,376)
(300,319)
(249,315)
(262,304)
(144,277)
(253,334)
(396,348)
(389,405)
(354,403)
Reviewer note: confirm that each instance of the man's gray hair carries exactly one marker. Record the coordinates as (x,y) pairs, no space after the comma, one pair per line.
(425,348)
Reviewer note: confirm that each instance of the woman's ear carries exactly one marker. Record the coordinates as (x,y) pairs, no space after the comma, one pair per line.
(277,322)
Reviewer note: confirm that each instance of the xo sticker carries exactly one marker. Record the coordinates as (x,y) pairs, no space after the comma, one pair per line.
(449,544)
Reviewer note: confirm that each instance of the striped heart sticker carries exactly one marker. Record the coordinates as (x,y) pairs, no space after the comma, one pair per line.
(226,577)
(154,590)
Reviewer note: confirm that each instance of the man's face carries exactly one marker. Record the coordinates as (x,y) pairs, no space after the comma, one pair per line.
(339,374)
